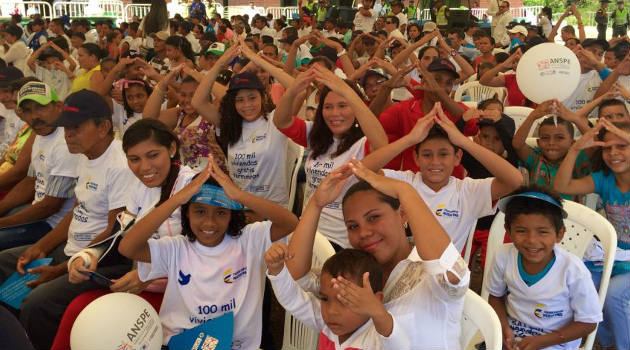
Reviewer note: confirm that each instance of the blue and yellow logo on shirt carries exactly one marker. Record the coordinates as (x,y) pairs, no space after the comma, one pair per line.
(442,211)
(539,310)
(229,277)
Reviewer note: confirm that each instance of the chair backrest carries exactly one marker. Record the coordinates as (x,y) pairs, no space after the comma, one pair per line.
(581,225)
(478,92)
(479,317)
(519,114)
(470,104)
(469,242)
(295,154)
(296,335)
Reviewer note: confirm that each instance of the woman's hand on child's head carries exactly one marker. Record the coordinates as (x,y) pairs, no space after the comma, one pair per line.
(360,300)
(230,189)
(275,257)
(472,113)
(330,188)
(185,194)
(454,135)
(129,283)
(75,276)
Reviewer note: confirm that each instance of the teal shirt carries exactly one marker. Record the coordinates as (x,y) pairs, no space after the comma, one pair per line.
(530,280)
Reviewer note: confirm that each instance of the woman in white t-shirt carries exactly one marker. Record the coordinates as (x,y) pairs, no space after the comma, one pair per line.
(425,282)
(216,265)
(344,128)
(256,150)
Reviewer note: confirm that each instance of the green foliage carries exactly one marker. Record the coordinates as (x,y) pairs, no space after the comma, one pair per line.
(558,6)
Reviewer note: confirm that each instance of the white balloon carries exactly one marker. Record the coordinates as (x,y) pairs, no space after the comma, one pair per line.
(548,71)
(117,321)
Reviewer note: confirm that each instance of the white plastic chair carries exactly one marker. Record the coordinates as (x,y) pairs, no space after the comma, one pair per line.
(469,241)
(295,154)
(581,225)
(470,104)
(479,317)
(298,336)
(478,92)
(519,114)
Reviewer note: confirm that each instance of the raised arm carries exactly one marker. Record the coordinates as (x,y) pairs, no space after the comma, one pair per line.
(279,74)
(492,76)
(564,182)
(622,69)
(66,56)
(153,107)
(104,88)
(201,99)
(283,116)
(554,30)
(521,134)
(467,69)
(32,59)
(578,16)
(506,177)
(404,54)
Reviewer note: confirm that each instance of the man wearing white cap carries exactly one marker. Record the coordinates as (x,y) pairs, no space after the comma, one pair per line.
(160,62)
(518,36)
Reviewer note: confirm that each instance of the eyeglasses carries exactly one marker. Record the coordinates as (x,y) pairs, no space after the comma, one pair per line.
(388,22)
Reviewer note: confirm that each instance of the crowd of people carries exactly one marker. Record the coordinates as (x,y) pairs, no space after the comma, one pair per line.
(158,153)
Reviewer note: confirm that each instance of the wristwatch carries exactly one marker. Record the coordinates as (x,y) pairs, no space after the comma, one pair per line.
(454,53)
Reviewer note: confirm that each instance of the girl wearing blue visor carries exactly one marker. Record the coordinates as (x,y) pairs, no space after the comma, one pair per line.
(215,266)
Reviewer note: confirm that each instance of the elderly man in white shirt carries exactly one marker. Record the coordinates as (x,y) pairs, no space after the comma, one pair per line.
(502,19)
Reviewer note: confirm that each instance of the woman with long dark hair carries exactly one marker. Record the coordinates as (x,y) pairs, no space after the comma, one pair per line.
(156,20)
(256,150)
(344,128)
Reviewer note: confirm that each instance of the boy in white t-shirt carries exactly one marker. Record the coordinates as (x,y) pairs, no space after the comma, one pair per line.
(457,204)
(543,295)
(348,310)
(101,193)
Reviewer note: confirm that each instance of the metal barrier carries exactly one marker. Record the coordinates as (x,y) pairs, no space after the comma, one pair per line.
(92,8)
(529,13)
(230,11)
(277,12)
(8,8)
(139,10)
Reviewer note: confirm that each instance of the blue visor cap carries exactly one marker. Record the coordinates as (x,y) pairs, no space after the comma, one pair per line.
(535,195)
(214,195)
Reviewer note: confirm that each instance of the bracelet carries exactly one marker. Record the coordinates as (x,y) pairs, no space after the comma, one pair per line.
(341,53)
(87,259)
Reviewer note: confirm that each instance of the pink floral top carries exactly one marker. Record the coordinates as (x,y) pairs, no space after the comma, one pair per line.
(197,141)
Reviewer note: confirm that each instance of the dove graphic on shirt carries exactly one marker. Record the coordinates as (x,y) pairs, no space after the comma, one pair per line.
(183,279)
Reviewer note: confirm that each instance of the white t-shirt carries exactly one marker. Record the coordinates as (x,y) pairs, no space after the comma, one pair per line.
(103,185)
(91,36)
(306,307)
(57,79)
(50,157)
(565,294)
(257,163)
(145,199)
(12,125)
(364,23)
(120,119)
(134,43)
(584,92)
(206,282)
(457,206)
(331,223)
(402,19)
(194,42)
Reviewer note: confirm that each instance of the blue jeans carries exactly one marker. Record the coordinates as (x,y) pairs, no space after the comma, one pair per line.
(15,236)
(615,329)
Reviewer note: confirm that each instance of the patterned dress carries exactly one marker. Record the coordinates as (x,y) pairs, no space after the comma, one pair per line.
(197,141)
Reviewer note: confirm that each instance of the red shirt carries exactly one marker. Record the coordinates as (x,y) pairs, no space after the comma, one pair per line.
(514,97)
(479,60)
(399,119)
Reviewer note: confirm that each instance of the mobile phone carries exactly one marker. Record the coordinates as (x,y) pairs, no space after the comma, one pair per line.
(98,278)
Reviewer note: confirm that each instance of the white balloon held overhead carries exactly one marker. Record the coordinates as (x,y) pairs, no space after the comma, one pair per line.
(548,71)
(117,321)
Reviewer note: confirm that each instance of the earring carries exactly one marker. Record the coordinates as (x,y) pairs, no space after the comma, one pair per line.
(356,125)
(172,156)
(406,225)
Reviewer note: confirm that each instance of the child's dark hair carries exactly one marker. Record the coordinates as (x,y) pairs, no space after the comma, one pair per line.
(235,227)
(351,264)
(231,124)
(485,103)
(613,102)
(550,121)
(147,88)
(93,50)
(182,44)
(158,132)
(321,138)
(436,132)
(527,206)
(598,161)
